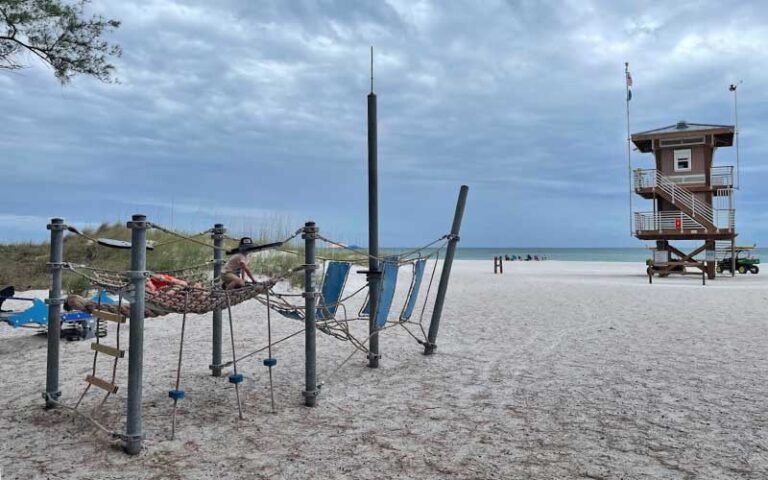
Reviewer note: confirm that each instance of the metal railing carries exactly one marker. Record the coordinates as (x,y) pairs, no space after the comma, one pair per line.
(645,221)
(721,176)
(722,250)
(681,221)
(677,194)
(725,219)
(645,178)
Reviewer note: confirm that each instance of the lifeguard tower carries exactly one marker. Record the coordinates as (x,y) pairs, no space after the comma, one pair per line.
(692,199)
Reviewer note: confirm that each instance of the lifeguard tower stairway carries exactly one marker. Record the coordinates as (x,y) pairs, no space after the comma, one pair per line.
(692,200)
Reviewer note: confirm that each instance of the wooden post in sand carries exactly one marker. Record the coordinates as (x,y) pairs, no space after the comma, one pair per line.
(430,346)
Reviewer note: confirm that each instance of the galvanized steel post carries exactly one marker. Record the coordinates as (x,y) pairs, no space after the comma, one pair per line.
(218,261)
(374,275)
(310,295)
(52,392)
(430,346)
(133,428)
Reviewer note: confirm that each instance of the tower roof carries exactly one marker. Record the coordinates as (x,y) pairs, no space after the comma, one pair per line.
(723,134)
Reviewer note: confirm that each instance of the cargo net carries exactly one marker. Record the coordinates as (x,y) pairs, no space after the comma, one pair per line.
(199,293)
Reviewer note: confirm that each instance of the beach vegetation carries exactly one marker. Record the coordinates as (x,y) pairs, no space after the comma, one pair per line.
(24,264)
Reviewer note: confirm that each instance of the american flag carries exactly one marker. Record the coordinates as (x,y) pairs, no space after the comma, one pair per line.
(629,85)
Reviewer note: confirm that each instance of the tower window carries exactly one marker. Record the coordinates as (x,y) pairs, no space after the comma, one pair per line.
(683,160)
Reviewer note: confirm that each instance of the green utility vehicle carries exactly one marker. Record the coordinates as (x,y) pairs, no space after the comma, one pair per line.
(745,262)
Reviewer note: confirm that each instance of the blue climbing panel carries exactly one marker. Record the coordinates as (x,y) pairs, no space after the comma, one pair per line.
(413,293)
(333,286)
(387,293)
(334,280)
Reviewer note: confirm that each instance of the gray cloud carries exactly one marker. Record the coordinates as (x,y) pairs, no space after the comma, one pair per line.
(241,108)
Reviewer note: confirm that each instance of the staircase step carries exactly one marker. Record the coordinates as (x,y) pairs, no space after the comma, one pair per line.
(108,316)
(103,384)
(107,350)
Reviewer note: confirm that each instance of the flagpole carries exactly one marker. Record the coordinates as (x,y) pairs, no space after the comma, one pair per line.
(629,150)
(733,88)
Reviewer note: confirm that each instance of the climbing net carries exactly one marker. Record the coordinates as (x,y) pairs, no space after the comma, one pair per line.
(199,291)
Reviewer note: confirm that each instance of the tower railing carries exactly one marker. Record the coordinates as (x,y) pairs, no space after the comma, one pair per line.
(721,176)
(725,219)
(682,196)
(678,195)
(646,221)
(678,220)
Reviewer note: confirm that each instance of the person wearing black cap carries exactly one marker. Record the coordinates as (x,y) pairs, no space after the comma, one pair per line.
(233,274)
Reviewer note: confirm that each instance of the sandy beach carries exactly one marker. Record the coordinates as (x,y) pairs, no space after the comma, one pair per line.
(552,370)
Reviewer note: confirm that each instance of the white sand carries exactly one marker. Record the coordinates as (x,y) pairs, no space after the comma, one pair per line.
(552,370)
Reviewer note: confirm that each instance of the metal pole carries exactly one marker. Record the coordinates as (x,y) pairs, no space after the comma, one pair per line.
(52,392)
(434,325)
(133,428)
(374,274)
(310,295)
(734,88)
(629,148)
(218,261)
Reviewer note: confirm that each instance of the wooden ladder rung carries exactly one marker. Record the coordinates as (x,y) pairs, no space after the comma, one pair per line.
(107,350)
(103,384)
(109,316)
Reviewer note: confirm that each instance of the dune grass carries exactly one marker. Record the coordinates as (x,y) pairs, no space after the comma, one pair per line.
(24,265)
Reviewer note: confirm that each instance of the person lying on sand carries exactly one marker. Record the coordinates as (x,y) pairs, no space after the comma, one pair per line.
(232,276)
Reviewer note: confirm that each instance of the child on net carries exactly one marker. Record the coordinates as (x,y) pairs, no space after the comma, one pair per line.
(233,274)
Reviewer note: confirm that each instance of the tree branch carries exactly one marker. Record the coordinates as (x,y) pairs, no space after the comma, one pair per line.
(60,35)
(43,54)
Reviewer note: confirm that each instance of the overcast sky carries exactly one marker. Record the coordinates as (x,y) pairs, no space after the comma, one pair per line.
(252,112)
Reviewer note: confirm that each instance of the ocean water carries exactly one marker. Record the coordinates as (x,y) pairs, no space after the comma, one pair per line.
(562,254)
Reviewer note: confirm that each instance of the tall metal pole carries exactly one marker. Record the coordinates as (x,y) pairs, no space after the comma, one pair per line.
(734,88)
(374,274)
(218,261)
(310,295)
(52,392)
(628,81)
(133,428)
(430,346)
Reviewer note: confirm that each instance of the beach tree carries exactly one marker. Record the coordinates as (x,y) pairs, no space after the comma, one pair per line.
(60,35)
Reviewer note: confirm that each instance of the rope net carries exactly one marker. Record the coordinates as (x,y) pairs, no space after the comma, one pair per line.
(199,292)
(204,292)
